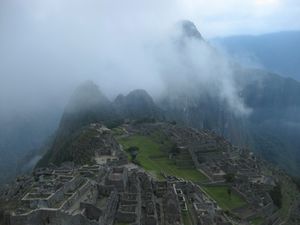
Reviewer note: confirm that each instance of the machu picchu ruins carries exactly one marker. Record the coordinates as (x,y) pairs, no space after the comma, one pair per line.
(135,112)
(113,189)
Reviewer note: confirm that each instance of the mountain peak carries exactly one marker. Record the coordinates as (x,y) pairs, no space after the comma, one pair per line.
(86,95)
(137,104)
(189,29)
(139,93)
(87,105)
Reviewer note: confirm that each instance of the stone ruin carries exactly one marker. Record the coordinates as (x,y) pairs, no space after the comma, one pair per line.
(101,195)
(113,192)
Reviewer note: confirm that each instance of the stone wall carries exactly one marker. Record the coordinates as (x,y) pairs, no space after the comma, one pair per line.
(126,217)
(110,209)
(79,193)
(118,177)
(91,211)
(50,217)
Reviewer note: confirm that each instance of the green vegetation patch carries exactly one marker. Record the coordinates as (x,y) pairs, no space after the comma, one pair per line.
(225,200)
(257,221)
(186,218)
(153,156)
(289,193)
(78,147)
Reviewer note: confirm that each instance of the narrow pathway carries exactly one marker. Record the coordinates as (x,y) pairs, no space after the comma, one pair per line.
(288,217)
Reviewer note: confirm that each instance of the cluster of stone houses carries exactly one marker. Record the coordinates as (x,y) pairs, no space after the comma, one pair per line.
(215,157)
(113,192)
(105,195)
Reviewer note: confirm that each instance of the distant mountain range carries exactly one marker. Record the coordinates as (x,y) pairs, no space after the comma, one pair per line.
(276,52)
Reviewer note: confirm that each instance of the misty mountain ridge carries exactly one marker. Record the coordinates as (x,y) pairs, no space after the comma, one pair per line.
(276,52)
(256,130)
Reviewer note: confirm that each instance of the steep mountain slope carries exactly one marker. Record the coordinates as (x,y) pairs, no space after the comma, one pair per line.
(277,52)
(81,146)
(22,133)
(201,91)
(275,121)
(87,105)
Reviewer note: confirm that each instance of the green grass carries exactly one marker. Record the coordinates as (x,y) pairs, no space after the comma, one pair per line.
(221,196)
(186,218)
(153,156)
(289,194)
(257,221)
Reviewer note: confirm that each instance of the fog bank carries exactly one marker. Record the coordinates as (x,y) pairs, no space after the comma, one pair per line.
(48,47)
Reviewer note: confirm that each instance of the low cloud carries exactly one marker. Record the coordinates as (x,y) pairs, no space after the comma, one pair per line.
(191,67)
(48,47)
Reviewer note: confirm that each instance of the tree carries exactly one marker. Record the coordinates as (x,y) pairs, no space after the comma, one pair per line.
(276,195)
(174,150)
(229,192)
(173,122)
(133,151)
(229,177)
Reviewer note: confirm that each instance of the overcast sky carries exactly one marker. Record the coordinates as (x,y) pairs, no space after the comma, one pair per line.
(49,46)
(231,17)
(214,17)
